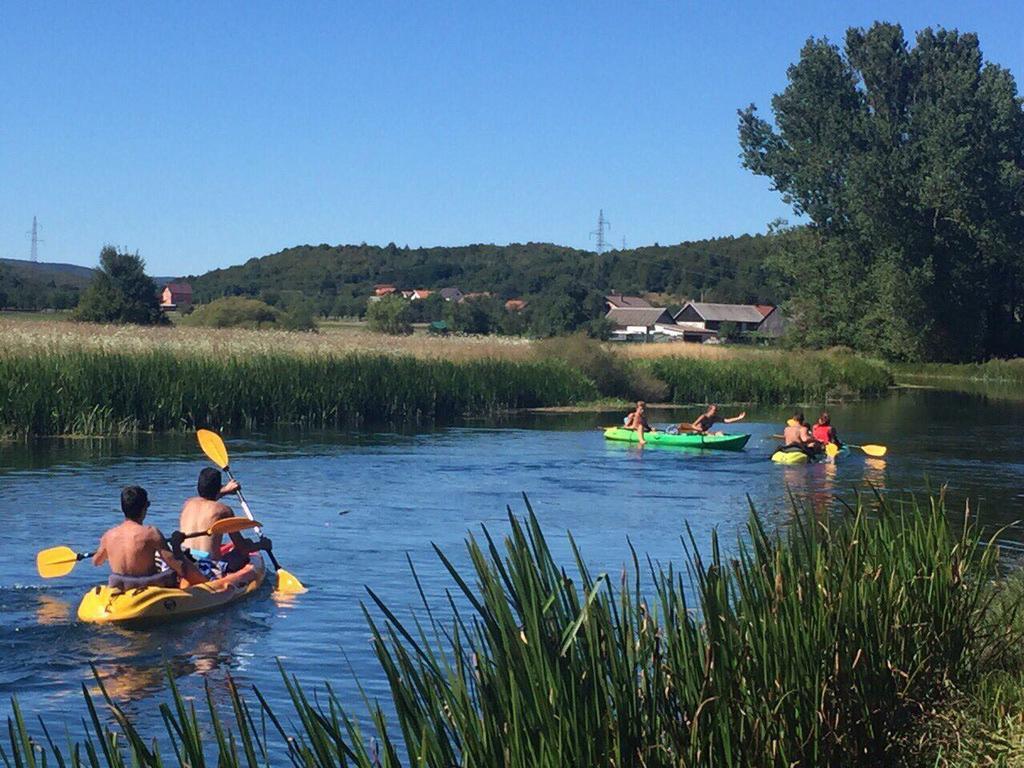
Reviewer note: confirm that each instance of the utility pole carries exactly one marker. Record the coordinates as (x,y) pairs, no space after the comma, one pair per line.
(598,233)
(623,243)
(34,253)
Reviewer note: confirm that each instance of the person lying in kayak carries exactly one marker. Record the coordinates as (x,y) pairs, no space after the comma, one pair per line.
(707,420)
(200,512)
(823,431)
(797,436)
(136,551)
(637,421)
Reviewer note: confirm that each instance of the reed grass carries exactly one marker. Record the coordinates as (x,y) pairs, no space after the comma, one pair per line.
(1008,371)
(771,377)
(827,644)
(97,392)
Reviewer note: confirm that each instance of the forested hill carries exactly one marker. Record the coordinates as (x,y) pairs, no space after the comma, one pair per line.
(725,269)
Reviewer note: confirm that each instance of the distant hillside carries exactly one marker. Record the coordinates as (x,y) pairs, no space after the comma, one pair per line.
(65,274)
(39,285)
(724,269)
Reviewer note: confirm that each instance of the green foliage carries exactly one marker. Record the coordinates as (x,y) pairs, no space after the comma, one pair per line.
(121,292)
(909,163)
(725,269)
(391,315)
(233,312)
(97,392)
(612,375)
(828,645)
(771,377)
(32,286)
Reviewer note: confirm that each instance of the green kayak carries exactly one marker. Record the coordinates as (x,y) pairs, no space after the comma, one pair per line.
(689,439)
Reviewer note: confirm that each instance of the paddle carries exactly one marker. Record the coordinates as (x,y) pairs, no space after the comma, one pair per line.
(60,561)
(213,446)
(878,451)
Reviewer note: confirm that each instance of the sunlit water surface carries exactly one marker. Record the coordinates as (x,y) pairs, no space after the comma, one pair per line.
(348,511)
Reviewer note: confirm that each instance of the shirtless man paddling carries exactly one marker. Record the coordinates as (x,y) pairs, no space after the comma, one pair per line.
(131,548)
(200,512)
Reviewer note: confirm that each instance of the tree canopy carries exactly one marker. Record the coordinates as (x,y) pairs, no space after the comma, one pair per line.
(908,162)
(120,292)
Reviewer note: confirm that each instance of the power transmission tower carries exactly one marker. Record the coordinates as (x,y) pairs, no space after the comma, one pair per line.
(34,252)
(623,243)
(602,225)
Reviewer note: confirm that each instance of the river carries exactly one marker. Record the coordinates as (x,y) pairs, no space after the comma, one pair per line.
(348,511)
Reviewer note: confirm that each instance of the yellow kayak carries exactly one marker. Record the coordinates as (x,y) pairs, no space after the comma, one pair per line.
(159,605)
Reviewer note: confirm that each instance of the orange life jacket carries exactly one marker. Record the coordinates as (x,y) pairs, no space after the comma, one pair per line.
(822,433)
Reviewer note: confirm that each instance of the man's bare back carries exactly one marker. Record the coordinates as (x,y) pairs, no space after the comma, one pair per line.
(131,549)
(198,514)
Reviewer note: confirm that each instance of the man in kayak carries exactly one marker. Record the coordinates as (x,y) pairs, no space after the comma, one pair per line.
(637,421)
(824,432)
(136,551)
(797,436)
(200,512)
(707,420)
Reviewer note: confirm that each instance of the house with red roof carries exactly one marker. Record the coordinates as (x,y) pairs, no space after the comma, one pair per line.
(176,297)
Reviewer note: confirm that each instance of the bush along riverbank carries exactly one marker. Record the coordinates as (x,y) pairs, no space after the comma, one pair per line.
(836,643)
(1000,371)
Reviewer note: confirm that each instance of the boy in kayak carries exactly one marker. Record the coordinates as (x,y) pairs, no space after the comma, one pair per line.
(797,436)
(707,420)
(202,511)
(133,549)
(824,432)
(637,421)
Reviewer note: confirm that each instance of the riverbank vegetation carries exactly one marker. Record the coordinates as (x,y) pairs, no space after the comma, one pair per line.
(66,378)
(909,170)
(862,639)
(997,371)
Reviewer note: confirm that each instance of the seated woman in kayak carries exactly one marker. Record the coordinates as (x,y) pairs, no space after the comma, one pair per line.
(824,432)
(133,549)
(637,421)
(797,436)
(707,420)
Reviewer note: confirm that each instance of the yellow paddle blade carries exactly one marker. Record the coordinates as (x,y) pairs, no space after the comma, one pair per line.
(831,450)
(232,525)
(213,446)
(288,584)
(878,451)
(56,561)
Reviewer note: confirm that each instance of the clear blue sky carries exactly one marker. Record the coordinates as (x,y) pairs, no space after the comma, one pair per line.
(203,134)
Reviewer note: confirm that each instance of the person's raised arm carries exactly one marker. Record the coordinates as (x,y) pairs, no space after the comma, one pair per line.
(232,486)
(734,419)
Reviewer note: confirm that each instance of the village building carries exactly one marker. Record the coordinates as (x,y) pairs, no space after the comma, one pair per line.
(451,294)
(707,316)
(383,289)
(419,293)
(473,296)
(176,297)
(515,305)
(642,323)
(618,301)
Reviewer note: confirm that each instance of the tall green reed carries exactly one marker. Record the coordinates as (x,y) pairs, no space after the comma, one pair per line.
(771,377)
(821,645)
(99,392)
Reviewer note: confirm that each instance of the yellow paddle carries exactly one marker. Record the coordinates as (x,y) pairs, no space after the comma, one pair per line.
(213,446)
(878,451)
(60,561)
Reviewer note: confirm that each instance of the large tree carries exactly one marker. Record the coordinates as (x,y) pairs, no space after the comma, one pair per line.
(121,292)
(908,163)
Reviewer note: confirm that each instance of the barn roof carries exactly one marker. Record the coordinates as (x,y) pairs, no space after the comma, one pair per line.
(639,316)
(726,313)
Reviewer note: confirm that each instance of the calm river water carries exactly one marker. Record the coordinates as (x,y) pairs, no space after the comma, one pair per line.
(347,510)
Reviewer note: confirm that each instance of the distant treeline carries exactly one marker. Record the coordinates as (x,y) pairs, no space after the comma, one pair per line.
(339,279)
(26,285)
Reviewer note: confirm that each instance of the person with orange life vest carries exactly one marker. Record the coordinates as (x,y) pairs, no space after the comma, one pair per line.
(824,432)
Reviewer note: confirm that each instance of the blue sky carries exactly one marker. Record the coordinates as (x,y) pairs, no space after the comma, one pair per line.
(204,134)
